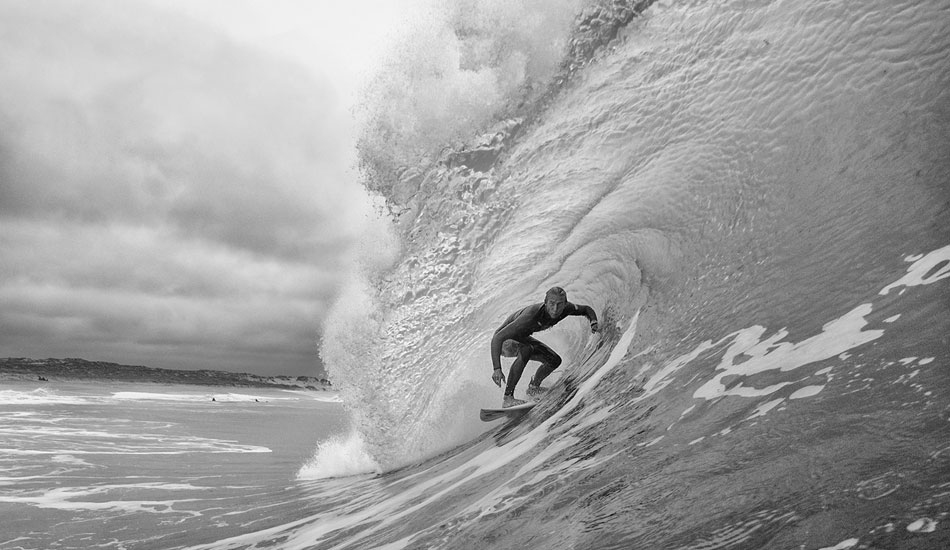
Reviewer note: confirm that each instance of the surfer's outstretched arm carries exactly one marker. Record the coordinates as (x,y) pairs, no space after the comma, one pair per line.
(587,311)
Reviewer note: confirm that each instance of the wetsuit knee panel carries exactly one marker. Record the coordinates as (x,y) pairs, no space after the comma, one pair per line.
(525,352)
(510,348)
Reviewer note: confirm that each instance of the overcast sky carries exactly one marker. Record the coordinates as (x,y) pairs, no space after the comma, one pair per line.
(176,182)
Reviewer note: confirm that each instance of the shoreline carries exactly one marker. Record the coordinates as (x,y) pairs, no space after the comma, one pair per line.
(53,370)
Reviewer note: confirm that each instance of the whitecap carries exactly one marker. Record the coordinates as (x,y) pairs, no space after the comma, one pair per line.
(339,456)
(923,525)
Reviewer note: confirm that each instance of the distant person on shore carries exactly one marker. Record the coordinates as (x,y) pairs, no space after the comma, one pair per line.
(513,339)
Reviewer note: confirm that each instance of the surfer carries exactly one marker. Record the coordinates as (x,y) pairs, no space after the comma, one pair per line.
(513,339)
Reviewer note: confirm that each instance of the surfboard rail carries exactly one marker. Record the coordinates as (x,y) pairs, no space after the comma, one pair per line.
(489,414)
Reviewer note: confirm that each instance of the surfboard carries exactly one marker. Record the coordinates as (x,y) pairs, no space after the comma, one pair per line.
(487,415)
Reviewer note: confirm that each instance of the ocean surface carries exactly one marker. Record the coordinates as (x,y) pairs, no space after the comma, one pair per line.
(755,198)
(88,465)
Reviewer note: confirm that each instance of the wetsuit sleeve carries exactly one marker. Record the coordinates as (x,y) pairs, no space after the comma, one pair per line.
(518,327)
(586,311)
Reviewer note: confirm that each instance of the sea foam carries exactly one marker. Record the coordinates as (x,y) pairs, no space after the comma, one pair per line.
(339,456)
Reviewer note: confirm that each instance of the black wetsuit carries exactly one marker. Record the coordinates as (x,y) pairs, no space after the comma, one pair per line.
(513,339)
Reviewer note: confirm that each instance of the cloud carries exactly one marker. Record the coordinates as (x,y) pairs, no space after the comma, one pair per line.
(165,191)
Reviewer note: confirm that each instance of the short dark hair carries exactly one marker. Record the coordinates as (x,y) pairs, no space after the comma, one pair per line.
(555,291)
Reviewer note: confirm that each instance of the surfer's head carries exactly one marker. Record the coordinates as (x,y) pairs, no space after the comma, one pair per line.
(555,300)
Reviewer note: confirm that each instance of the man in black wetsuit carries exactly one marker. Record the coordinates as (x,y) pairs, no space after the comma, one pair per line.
(513,339)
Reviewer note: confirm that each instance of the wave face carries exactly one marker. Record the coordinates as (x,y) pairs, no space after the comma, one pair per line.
(726,165)
(754,196)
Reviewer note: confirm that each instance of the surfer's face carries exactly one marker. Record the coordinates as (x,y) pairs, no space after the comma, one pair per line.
(554,305)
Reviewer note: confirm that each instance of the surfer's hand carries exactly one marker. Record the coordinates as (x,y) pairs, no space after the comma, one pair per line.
(498,377)
(594,327)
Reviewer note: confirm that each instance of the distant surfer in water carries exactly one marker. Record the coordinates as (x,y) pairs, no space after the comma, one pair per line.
(513,339)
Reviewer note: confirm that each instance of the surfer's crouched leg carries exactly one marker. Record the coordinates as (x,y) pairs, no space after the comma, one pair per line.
(550,361)
(514,373)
